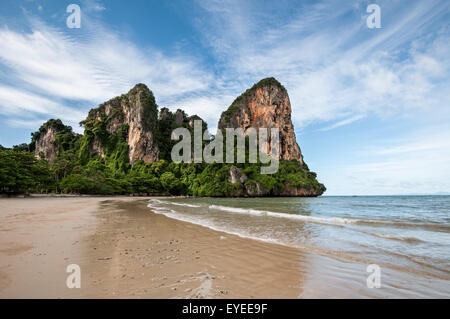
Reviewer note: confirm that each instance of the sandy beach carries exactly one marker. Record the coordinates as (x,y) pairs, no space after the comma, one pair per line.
(126,251)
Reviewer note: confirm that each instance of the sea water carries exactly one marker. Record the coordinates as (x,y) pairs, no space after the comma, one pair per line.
(408,237)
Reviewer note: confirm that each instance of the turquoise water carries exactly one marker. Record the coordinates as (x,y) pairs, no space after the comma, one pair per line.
(406,234)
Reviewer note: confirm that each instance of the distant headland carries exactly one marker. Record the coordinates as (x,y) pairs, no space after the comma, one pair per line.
(126,149)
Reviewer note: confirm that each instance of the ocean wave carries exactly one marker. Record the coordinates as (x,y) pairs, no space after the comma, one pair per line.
(393,237)
(173,203)
(401,260)
(282,240)
(339,221)
(154,200)
(324,220)
(186,205)
(333,220)
(205,223)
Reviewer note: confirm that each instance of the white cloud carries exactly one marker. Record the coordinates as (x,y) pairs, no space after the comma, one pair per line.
(335,69)
(329,68)
(87,69)
(17,104)
(330,63)
(343,122)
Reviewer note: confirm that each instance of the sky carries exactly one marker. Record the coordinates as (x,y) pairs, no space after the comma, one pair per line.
(370,106)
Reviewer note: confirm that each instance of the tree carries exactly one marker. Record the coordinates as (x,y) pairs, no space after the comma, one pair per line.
(170,183)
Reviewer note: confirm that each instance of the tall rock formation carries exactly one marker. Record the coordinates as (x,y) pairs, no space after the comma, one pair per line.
(133,116)
(45,147)
(51,139)
(128,129)
(265,105)
(167,122)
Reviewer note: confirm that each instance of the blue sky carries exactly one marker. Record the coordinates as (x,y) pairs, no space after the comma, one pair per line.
(370,107)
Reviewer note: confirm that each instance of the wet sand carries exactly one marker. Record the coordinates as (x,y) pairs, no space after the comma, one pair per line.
(126,251)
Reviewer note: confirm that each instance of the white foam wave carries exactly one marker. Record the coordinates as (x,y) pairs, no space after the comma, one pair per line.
(157,201)
(184,204)
(205,223)
(338,221)
(323,220)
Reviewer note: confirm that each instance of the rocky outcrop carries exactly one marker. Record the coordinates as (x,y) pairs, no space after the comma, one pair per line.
(134,112)
(45,147)
(179,117)
(247,187)
(265,105)
(251,188)
(127,129)
(164,114)
(169,121)
(298,192)
(51,138)
(254,189)
(96,148)
(236,176)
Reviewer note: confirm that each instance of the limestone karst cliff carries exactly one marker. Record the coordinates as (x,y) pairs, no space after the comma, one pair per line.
(52,138)
(167,122)
(46,147)
(132,120)
(133,116)
(126,148)
(265,105)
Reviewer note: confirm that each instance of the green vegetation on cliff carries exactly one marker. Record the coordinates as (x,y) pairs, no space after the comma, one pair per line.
(21,172)
(97,162)
(65,137)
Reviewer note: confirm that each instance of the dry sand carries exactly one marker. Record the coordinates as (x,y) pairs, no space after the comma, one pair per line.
(126,251)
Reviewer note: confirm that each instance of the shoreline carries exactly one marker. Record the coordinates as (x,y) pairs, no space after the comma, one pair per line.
(36,195)
(126,251)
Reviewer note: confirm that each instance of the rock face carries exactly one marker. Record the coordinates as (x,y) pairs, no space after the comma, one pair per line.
(250,188)
(169,121)
(236,176)
(45,147)
(52,138)
(179,117)
(298,192)
(135,111)
(265,105)
(246,187)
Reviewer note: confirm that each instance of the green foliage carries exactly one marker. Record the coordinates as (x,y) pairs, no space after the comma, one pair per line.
(114,146)
(20,172)
(170,183)
(78,183)
(65,138)
(77,168)
(24,147)
(166,124)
